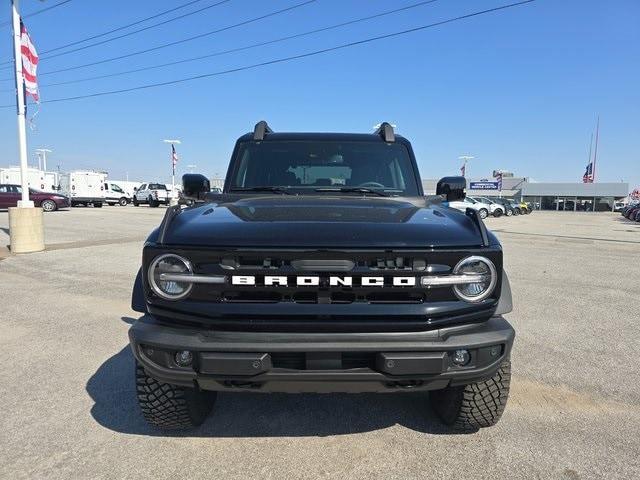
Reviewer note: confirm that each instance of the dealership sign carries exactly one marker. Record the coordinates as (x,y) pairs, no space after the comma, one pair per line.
(483,185)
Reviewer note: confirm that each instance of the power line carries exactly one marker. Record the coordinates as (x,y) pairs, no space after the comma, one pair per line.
(184,40)
(37,12)
(124,27)
(149,27)
(238,49)
(290,58)
(43,54)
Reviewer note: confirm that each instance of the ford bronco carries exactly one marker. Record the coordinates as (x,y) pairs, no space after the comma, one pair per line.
(322,267)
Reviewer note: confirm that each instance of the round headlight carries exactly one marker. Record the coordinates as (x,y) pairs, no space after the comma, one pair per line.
(166,265)
(476,266)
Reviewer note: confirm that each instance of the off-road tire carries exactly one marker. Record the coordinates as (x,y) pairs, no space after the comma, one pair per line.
(169,406)
(497,213)
(483,213)
(474,406)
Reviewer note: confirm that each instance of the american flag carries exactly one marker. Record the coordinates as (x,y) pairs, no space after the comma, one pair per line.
(29,64)
(174,157)
(588,174)
(499,178)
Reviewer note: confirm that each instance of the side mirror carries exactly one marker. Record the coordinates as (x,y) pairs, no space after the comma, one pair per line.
(452,187)
(195,186)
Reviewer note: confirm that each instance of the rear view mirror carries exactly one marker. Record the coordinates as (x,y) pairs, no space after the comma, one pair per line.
(452,187)
(195,186)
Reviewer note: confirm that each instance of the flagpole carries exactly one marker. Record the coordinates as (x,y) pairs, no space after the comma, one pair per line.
(20,103)
(595,150)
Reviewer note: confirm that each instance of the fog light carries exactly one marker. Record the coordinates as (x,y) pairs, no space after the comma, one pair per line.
(461,357)
(184,358)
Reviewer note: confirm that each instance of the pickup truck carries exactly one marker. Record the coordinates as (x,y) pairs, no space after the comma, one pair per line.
(322,267)
(152,194)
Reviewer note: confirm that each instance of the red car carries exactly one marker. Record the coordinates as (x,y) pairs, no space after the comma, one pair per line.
(10,194)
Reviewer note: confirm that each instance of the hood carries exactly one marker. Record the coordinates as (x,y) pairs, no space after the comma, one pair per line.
(275,221)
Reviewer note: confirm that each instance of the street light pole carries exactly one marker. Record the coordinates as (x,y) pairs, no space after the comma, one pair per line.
(43,152)
(20,104)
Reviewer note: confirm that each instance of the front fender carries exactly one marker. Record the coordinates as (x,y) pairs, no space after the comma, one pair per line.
(505,304)
(138,303)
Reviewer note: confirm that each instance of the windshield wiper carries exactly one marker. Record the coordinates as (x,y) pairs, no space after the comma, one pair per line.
(283,190)
(353,189)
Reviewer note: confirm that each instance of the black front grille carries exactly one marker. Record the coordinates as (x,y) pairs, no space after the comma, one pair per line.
(322,307)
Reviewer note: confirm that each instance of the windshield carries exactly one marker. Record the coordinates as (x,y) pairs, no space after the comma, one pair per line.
(325,166)
(157,186)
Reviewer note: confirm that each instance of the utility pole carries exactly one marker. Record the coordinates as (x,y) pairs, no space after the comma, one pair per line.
(20,103)
(42,152)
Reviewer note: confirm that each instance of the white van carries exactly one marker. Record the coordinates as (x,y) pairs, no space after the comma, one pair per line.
(38,179)
(83,187)
(114,194)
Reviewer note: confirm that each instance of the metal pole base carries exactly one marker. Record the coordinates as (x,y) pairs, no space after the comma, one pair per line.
(26,230)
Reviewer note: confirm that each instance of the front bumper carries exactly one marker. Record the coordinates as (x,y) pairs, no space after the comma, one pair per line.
(321,362)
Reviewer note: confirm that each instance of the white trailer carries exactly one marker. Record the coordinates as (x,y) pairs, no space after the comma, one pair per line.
(36,178)
(83,187)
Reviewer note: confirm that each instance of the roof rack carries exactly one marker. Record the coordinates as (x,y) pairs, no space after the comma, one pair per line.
(385,130)
(260,130)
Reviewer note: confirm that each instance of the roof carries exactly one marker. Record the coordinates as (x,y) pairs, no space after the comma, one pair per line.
(618,189)
(318,136)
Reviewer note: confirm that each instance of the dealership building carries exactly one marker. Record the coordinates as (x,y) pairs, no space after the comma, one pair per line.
(599,197)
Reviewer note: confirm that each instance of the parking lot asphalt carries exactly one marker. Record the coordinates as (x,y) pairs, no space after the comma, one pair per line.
(69,408)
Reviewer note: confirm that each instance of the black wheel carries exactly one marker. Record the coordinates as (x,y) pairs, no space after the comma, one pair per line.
(497,213)
(110,204)
(97,205)
(123,202)
(153,203)
(49,206)
(474,406)
(509,213)
(516,211)
(483,213)
(135,202)
(169,406)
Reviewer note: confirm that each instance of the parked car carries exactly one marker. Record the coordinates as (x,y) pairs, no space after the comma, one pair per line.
(631,211)
(115,195)
(508,208)
(49,202)
(517,210)
(618,206)
(483,209)
(152,194)
(496,209)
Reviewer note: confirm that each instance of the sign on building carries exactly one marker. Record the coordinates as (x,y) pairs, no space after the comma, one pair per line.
(483,185)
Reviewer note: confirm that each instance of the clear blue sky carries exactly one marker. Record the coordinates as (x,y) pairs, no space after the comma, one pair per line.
(519,89)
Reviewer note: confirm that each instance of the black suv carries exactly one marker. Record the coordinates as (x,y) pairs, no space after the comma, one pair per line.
(322,267)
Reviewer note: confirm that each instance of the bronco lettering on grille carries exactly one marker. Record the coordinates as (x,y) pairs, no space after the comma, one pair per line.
(314,281)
